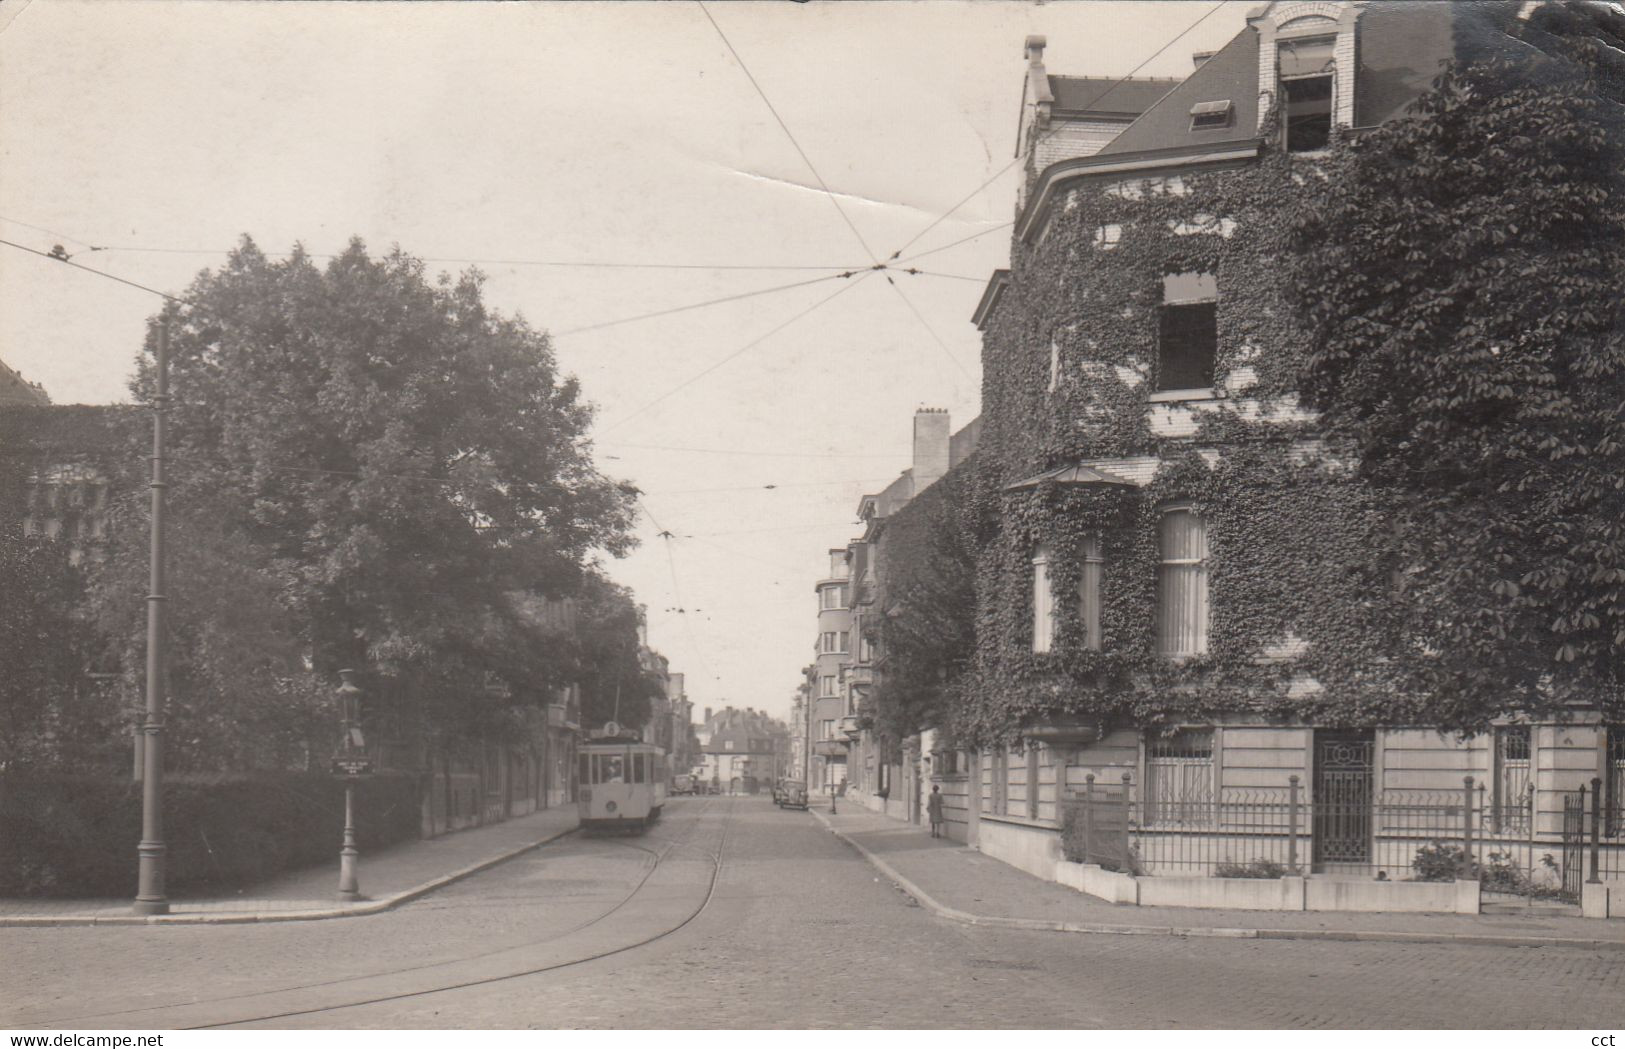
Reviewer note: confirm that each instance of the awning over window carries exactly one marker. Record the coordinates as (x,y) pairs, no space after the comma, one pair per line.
(1073,473)
(1305,57)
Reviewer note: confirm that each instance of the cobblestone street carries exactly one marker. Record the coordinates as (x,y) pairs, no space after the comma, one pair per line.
(800,931)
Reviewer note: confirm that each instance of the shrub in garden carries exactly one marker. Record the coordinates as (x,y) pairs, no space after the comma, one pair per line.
(1438,861)
(76,835)
(1259,868)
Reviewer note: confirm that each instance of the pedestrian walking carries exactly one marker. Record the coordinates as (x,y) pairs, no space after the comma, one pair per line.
(933,810)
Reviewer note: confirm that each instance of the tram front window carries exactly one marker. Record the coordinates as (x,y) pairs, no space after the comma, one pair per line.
(611,769)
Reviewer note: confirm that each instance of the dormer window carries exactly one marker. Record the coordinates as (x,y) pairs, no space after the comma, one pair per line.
(1210,116)
(1306,69)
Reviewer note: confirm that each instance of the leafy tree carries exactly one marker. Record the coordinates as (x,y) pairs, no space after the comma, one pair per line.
(50,710)
(926,630)
(400,458)
(239,696)
(614,685)
(1460,274)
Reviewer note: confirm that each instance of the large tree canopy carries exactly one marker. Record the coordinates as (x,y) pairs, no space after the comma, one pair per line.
(926,629)
(404,458)
(1460,272)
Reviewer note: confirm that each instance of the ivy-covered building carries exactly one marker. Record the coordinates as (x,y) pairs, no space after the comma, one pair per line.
(1187,585)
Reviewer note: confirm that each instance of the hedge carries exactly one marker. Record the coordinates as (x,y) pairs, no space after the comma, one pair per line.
(76,835)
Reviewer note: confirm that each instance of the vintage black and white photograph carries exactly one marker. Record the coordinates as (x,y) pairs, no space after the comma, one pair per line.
(784,515)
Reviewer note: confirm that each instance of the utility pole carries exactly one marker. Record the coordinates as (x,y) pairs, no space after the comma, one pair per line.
(150,897)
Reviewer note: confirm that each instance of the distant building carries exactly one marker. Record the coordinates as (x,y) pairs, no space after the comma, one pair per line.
(743,751)
(14,389)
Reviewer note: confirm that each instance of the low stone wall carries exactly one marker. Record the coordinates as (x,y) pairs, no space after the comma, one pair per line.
(1271,894)
(1024,845)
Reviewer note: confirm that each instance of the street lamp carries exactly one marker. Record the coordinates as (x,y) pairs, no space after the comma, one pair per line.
(152,853)
(351,762)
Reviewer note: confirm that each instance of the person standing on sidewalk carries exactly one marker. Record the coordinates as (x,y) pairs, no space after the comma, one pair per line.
(933,810)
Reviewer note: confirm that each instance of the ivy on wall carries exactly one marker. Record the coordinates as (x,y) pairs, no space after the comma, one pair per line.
(1307,620)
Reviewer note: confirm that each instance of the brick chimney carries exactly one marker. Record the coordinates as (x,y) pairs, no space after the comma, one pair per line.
(931,440)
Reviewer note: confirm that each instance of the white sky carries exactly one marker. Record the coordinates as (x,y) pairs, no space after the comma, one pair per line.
(609,132)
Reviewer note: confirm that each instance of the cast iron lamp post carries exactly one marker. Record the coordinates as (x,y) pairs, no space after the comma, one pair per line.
(151,852)
(352,762)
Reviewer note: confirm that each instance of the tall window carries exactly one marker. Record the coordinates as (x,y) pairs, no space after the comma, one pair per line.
(1032,781)
(1305,68)
(827,685)
(1182,584)
(1614,783)
(1179,777)
(826,641)
(845,641)
(1189,331)
(1043,603)
(832,597)
(1089,592)
(1513,789)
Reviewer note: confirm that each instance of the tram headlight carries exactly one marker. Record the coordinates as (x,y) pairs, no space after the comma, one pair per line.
(609,806)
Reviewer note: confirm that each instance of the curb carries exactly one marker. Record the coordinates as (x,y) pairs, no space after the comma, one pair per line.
(1202,931)
(256,917)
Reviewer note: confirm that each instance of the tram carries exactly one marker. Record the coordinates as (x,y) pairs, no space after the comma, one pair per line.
(622,781)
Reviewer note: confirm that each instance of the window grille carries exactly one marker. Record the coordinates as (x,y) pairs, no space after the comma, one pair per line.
(1513,788)
(1182,599)
(1179,778)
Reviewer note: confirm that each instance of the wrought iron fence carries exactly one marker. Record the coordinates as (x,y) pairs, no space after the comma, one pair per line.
(1268,832)
(1593,835)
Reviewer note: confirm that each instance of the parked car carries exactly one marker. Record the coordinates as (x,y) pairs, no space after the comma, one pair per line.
(682,783)
(794,795)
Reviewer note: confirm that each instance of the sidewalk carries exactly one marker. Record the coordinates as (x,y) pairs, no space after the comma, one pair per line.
(960,884)
(388,878)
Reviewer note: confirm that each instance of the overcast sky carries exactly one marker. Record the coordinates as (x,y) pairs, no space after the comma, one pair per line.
(520,134)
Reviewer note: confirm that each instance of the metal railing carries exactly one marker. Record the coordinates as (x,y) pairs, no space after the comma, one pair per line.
(1270,832)
(1593,836)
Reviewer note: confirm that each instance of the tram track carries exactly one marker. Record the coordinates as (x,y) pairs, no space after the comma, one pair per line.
(716,859)
(656,856)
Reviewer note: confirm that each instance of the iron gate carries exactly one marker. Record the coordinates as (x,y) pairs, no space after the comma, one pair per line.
(1574,808)
(1342,798)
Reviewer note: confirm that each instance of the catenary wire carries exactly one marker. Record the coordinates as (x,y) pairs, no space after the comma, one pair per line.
(787,132)
(623,420)
(100,273)
(1023,155)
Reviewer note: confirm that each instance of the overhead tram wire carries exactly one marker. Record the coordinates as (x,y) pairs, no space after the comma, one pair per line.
(1024,153)
(676,591)
(700,305)
(787,132)
(691,380)
(805,159)
(100,273)
(957,243)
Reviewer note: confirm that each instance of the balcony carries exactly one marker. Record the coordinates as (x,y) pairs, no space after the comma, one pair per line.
(830,748)
(849,727)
